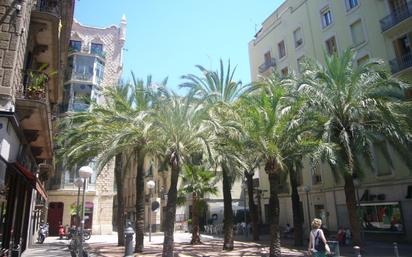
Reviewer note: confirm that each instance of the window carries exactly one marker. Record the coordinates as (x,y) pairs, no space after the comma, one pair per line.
(361,61)
(268,57)
(282,49)
(381,153)
(75,45)
(96,49)
(350,4)
(300,63)
(381,217)
(284,72)
(316,173)
(326,16)
(331,45)
(297,35)
(356,31)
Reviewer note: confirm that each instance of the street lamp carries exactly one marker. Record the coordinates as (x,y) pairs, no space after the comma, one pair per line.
(150,185)
(78,183)
(307,190)
(85,172)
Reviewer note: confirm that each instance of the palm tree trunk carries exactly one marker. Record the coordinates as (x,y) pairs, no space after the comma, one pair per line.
(195,221)
(297,211)
(351,206)
(139,202)
(228,211)
(118,168)
(274,247)
(170,215)
(253,209)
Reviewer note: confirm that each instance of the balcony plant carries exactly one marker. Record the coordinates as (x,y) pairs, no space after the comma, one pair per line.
(36,82)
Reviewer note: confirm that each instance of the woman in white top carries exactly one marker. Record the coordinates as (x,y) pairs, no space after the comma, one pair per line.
(316,235)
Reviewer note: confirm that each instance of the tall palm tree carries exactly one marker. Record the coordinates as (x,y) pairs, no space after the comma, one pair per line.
(119,126)
(275,123)
(81,137)
(181,130)
(359,103)
(220,91)
(198,182)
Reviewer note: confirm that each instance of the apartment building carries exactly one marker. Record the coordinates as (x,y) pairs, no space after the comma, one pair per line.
(34,36)
(374,29)
(94,62)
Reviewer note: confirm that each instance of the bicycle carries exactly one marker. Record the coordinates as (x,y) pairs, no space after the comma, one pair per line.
(75,245)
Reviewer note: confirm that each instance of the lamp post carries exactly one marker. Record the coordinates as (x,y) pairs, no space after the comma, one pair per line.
(78,183)
(307,190)
(84,172)
(150,185)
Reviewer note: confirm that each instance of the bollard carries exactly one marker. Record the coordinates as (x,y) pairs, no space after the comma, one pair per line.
(395,248)
(357,251)
(128,233)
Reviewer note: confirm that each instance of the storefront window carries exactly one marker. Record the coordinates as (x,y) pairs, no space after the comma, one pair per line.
(382,217)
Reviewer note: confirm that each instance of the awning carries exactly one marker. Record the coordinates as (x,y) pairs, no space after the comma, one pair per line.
(32,179)
(26,173)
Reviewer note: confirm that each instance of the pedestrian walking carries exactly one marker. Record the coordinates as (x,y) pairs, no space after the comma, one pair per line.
(318,246)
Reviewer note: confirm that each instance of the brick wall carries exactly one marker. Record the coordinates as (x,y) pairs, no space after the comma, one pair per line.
(14,25)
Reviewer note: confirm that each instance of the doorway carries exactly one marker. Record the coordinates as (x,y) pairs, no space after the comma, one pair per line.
(55,217)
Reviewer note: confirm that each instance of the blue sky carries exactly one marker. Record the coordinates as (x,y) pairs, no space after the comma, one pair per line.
(167,38)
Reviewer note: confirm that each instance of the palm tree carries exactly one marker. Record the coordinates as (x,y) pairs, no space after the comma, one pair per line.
(220,91)
(198,182)
(180,128)
(82,136)
(278,126)
(359,103)
(120,126)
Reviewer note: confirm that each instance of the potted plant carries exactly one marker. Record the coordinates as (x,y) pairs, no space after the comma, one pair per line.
(36,82)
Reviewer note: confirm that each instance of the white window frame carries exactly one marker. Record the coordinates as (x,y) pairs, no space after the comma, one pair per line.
(322,16)
(294,37)
(348,5)
(284,47)
(336,44)
(365,36)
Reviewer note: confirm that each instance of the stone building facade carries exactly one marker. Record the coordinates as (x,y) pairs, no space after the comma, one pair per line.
(94,63)
(33,49)
(373,29)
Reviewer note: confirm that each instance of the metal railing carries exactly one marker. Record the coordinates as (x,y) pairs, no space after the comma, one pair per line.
(267,64)
(34,86)
(396,16)
(48,6)
(85,50)
(399,64)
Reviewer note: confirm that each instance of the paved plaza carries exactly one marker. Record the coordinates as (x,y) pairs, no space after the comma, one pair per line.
(106,246)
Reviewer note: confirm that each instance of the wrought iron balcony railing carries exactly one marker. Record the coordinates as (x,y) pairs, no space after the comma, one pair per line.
(267,64)
(34,86)
(396,16)
(101,54)
(399,64)
(52,7)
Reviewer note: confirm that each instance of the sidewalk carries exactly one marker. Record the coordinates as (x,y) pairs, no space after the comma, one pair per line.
(106,246)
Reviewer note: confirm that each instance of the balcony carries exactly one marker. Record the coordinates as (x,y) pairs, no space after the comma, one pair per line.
(48,7)
(267,64)
(396,16)
(34,87)
(33,110)
(400,64)
(83,76)
(85,51)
